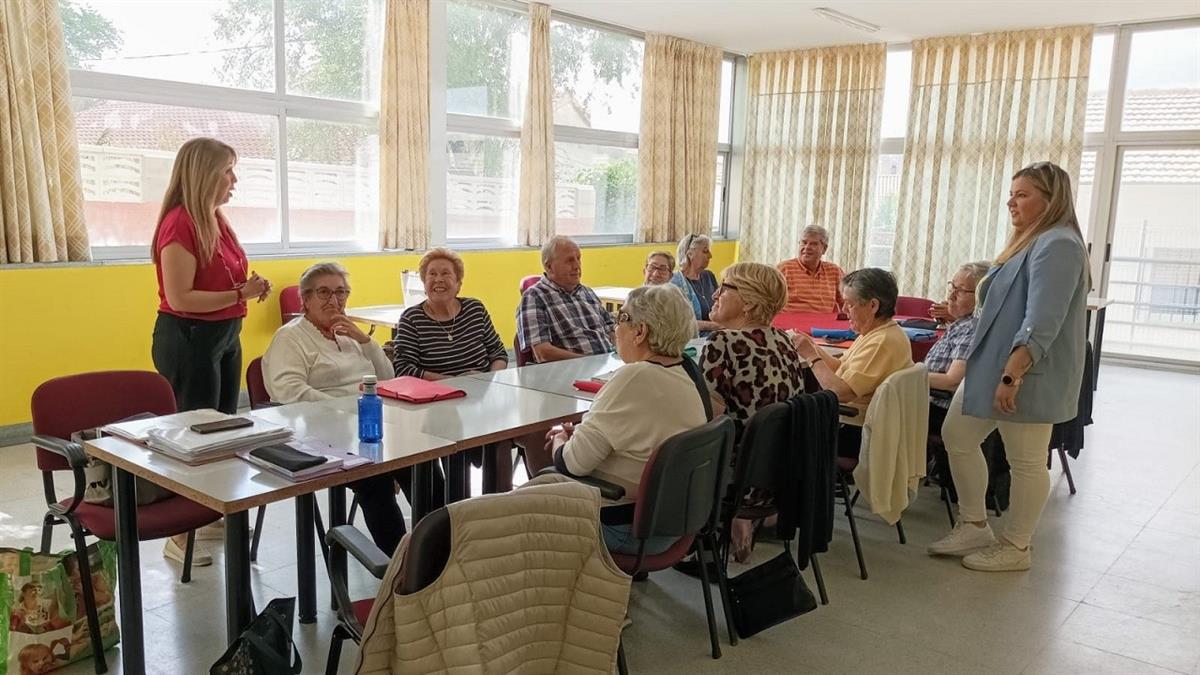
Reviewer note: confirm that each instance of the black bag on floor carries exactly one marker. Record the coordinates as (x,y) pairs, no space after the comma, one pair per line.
(265,647)
(768,594)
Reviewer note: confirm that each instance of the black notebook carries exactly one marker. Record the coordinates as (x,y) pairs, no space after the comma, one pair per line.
(287,457)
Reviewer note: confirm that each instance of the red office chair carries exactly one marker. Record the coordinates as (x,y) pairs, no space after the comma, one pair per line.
(910,306)
(524,357)
(65,405)
(290,306)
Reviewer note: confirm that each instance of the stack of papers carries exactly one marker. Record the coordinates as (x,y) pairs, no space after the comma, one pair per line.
(170,435)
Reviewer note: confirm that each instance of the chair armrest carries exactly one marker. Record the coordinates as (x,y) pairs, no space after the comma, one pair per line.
(363,549)
(941,394)
(610,491)
(76,459)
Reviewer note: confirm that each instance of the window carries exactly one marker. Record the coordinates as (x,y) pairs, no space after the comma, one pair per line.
(724,147)
(897,88)
(595,189)
(1098,78)
(881,231)
(306,138)
(487,73)
(1083,195)
(1163,82)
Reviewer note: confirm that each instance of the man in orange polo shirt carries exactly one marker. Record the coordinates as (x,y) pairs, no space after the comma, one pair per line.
(813,285)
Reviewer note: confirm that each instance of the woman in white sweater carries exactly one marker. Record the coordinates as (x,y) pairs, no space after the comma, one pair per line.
(322,354)
(648,400)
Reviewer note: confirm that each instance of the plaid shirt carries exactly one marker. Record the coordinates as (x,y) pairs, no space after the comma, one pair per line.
(572,320)
(954,346)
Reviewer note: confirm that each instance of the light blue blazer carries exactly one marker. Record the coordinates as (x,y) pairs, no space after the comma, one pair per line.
(1038,298)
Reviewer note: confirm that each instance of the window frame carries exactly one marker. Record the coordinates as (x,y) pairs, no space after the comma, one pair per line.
(278,104)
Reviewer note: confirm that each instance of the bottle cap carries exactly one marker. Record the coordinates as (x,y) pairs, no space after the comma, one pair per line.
(369,379)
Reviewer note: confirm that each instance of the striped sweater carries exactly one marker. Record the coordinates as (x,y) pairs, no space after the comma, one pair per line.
(467,343)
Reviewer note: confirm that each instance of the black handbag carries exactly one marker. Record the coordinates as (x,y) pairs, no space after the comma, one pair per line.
(768,594)
(265,647)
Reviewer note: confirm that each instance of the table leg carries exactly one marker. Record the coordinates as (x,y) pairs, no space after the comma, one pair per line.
(337,555)
(1096,348)
(239,603)
(422,483)
(456,477)
(306,564)
(129,578)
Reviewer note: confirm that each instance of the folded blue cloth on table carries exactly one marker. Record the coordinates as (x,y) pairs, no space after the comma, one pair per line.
(834,333)
(920,335)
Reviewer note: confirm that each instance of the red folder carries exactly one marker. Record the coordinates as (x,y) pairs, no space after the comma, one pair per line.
(416,390)
(591,386)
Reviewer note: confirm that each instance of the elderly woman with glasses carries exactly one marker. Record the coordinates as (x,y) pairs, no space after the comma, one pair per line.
(869,298)
(446,335)
(659,267)
(947,359)
(322,354)
(649,399)
(696,281)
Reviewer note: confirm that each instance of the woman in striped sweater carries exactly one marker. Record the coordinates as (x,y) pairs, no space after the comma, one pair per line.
(446,335)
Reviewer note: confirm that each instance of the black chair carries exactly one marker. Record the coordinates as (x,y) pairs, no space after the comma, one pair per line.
(680,496)
(844,479)
(761,459)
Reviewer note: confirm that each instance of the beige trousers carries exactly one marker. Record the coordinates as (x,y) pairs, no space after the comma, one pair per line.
(1025,444)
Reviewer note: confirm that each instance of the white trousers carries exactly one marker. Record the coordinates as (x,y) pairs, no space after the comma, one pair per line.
(1025,444)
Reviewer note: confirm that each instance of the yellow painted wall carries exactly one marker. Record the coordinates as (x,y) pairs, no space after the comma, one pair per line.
(64,320)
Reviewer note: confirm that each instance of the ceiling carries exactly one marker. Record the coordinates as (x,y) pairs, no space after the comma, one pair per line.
(749,26)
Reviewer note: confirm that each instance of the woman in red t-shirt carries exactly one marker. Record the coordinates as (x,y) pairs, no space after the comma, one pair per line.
(202,281)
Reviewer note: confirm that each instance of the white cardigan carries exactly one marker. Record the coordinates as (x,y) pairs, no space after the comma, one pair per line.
(301,364)
(892,459)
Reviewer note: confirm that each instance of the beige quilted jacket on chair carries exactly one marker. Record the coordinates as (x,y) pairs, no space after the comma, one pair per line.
(529,588)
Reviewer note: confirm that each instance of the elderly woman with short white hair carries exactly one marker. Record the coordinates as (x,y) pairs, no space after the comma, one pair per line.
(648,400)
(697,282)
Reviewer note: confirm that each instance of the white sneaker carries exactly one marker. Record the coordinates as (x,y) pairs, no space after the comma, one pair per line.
(999,557)
(963,539)
(173,551)
(215,531)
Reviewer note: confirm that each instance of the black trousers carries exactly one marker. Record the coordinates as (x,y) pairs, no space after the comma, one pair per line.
(201,359)
(381,513)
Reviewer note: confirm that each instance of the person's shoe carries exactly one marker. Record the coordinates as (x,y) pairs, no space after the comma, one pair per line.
(215,531)
(963,539)
(999,557)
(173,551)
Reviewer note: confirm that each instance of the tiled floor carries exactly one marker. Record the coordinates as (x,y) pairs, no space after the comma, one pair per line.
(1115,586)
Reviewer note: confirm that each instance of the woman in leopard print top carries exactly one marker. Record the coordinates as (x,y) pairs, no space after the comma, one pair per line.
(748,364)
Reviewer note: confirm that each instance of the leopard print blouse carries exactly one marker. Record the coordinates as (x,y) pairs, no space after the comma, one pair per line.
(750,369)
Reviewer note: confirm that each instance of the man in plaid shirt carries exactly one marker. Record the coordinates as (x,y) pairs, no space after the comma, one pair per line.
(559,318)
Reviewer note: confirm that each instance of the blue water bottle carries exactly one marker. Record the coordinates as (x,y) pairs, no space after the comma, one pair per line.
(370,412)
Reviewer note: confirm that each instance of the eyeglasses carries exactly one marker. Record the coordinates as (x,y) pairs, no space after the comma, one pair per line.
(323,294)
(952,289)
(659,268)
(624,317)
(726,287)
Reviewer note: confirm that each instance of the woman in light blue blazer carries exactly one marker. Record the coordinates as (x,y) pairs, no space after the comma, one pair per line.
(1023,370)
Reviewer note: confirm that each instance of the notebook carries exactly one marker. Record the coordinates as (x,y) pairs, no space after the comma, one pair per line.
(416,390)
(295,461)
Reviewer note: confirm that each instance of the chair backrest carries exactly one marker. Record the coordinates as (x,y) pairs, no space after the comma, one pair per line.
(911,306)
(760,456)
(524,357)
(64,405)
(428,551)
(290,306)
(684,481)
(255,386)
(412,289)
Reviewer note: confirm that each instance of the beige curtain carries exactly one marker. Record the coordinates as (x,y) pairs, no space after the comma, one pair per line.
(811,141)
(41,202)
(404,127)
(982,107)
(677,143)
(535,210)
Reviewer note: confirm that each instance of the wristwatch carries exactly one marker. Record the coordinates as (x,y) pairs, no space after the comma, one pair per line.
(1009,380)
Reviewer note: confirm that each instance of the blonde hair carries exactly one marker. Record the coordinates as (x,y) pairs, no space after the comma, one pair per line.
(194,184)
(441,253)
(761,287)
(1055,185)
(670,258)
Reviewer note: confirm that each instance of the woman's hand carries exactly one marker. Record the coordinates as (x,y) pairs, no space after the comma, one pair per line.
(941,312)
(341,325)
(806,347)
(1006,398)
(559,435)
(256,287)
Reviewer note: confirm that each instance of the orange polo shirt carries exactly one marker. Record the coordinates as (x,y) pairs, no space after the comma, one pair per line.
(809,291)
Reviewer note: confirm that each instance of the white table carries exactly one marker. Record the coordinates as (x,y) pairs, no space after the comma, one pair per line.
(232,487)
(612,296)
(557,377)
(386,316)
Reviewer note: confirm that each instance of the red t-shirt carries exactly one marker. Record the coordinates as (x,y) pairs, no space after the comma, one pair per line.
(224,272)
